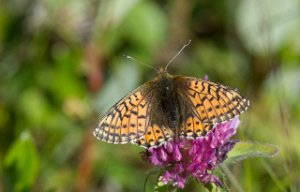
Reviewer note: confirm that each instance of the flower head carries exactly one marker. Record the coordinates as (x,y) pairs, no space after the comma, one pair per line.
(195,158)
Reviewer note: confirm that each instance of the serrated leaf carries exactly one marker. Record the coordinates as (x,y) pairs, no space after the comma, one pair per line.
(248,149)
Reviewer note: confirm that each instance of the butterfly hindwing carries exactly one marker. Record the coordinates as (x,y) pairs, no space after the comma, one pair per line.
(193,128)
(157,130)
(212,103)
(154,136)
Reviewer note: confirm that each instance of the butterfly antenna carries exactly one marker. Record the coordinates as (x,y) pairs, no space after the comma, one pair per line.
(131,58)
(184,46)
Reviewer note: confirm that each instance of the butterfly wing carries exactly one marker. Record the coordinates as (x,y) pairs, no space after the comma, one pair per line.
(155,136)
(192,128)
(127,119)
(211,103)
(133,119)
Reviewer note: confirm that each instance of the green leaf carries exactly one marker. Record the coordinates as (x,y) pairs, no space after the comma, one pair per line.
(22,163)
(247,149)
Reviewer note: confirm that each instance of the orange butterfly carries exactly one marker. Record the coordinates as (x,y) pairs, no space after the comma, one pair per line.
(169,107)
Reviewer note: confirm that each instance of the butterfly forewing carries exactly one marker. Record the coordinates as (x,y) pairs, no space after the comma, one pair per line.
(127,119)
(212,103)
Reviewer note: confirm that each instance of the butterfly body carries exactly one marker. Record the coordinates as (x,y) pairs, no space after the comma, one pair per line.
(169,107)
(167,100)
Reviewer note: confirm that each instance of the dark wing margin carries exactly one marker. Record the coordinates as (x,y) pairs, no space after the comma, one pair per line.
(212,103)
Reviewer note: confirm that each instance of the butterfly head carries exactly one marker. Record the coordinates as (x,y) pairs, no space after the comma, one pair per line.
(162,71)
(165,84)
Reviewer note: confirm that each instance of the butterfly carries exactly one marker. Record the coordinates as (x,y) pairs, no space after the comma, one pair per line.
(169,107)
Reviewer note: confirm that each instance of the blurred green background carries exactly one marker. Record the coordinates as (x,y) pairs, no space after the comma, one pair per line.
(61,68)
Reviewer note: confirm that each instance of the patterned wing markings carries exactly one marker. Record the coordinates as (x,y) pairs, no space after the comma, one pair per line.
(212,103)
(155,136)
(193,128)
(127,119)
